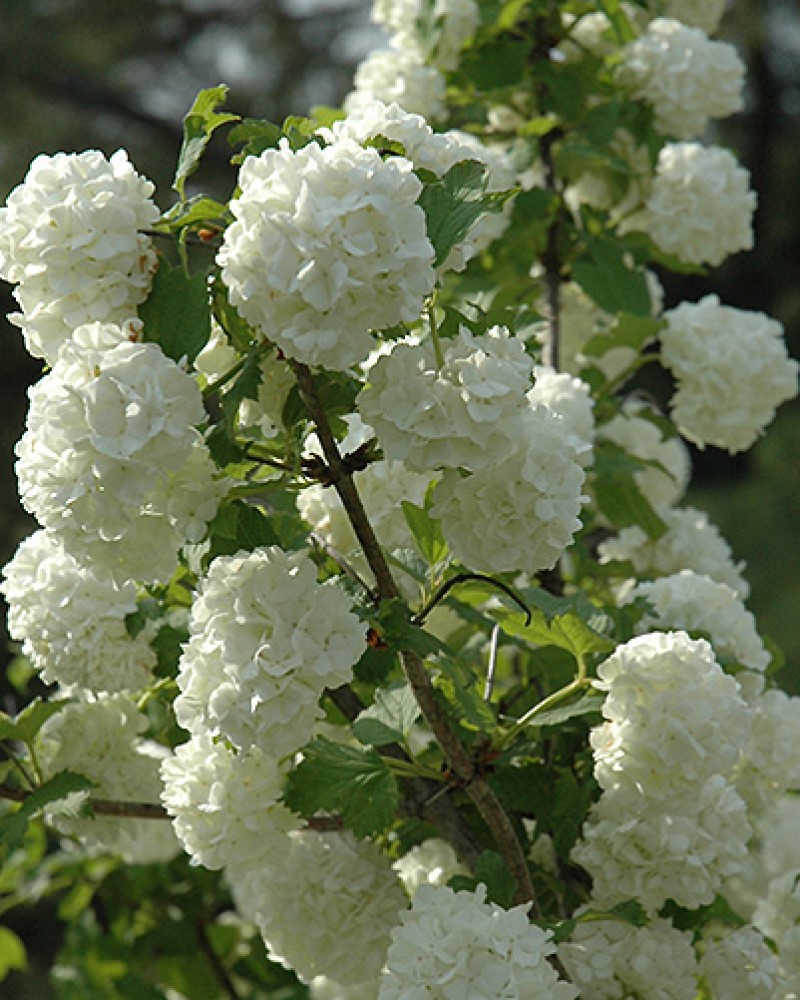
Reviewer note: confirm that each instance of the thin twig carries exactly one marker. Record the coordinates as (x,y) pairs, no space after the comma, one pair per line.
(459,578)
(100,807)
(215,961)
(490,670)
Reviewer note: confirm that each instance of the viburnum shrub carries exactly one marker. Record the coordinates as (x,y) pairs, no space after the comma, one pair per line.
(385,660)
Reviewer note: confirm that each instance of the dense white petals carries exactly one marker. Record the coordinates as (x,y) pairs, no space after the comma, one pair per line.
(69,234)
(265,640)
(101,739)
(398,76)
(70,618)
(685,77)
(324,908)
(110,448)
(732,369)
(771,762)
(610,959)
(693,602)
(661,484)
(436,32)
(455,415)
(700,207)
(571,398)
(456,946)
(433,862)
(691,541)
(739,965)
(327,245)
(224,805)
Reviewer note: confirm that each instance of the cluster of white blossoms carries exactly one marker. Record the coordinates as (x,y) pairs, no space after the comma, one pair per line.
(739,965)
(328,244)
(694,602)
(383,486)
(265,640)
(70,619)
(436,152)
(70,237)
(435,31)
(665,759)
(398,76)
(100,737)
(691,541)
(665,477)
(571,398)
(610,959)
(110,429)
(700,207)
(433,862)
(720,355)
(325,905)
(687,78)
(771,762)
(224,804)
(456,946)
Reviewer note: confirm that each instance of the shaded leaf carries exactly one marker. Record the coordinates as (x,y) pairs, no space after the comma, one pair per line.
(608,280)
(426,532)
(390,719)
(14,824)
(177,313)
(198,127)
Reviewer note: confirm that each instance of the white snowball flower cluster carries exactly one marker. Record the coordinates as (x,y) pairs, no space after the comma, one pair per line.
(610,959)
(694,602)
(519,513)
(669,824)
(571,398)
(70,619)
(70,237)
(435,32)
(456,946)
(109,429)
(455,415)
(771,762)
(662,484)
(700,207)
(326,906)
(691,541)
(398,76)
(265,640)
(382,486)
(702,14)
(100,737)
(433,862)
(739,965)
(687,78)
(437,152)
(732,370)
(328,244)
(224,805)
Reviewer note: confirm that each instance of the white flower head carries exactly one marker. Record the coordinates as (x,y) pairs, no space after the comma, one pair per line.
(571,398)
(433,862)
(398,76)
(691,601)
(456,945)
(265,640)
(328,244)
(732,370)
(70,618)
(771,760)
(687,78)
(435,32)
(70,235)
(100,737)
(739,965)
(700,207)
(224,805)
(109,429)
(451,416)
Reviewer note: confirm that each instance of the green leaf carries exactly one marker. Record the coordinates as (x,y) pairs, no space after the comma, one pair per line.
(459,684)
(192,213)
(13,825)
(198,127)
(394,622)
(31,719)
(634,332)
(12,953)
(496,64)
(492,870)
(240,525)
(618,20)
(177,313)
(426,532)
(587,704)
(341,779)
(257,135)
(455,202)
(390,719)
(568,631)
(618,496)
(569,808)
(608,280)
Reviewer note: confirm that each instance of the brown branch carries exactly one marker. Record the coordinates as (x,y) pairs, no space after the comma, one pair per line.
(101,807)
(456,756)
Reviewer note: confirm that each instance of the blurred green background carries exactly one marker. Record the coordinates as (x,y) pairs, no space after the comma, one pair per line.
(79,74)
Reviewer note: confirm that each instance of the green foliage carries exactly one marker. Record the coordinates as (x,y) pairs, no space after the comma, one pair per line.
(176,314)
(200,123)
(617,493)
(14,824)
(349,780)
(389,719)
(12,953)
